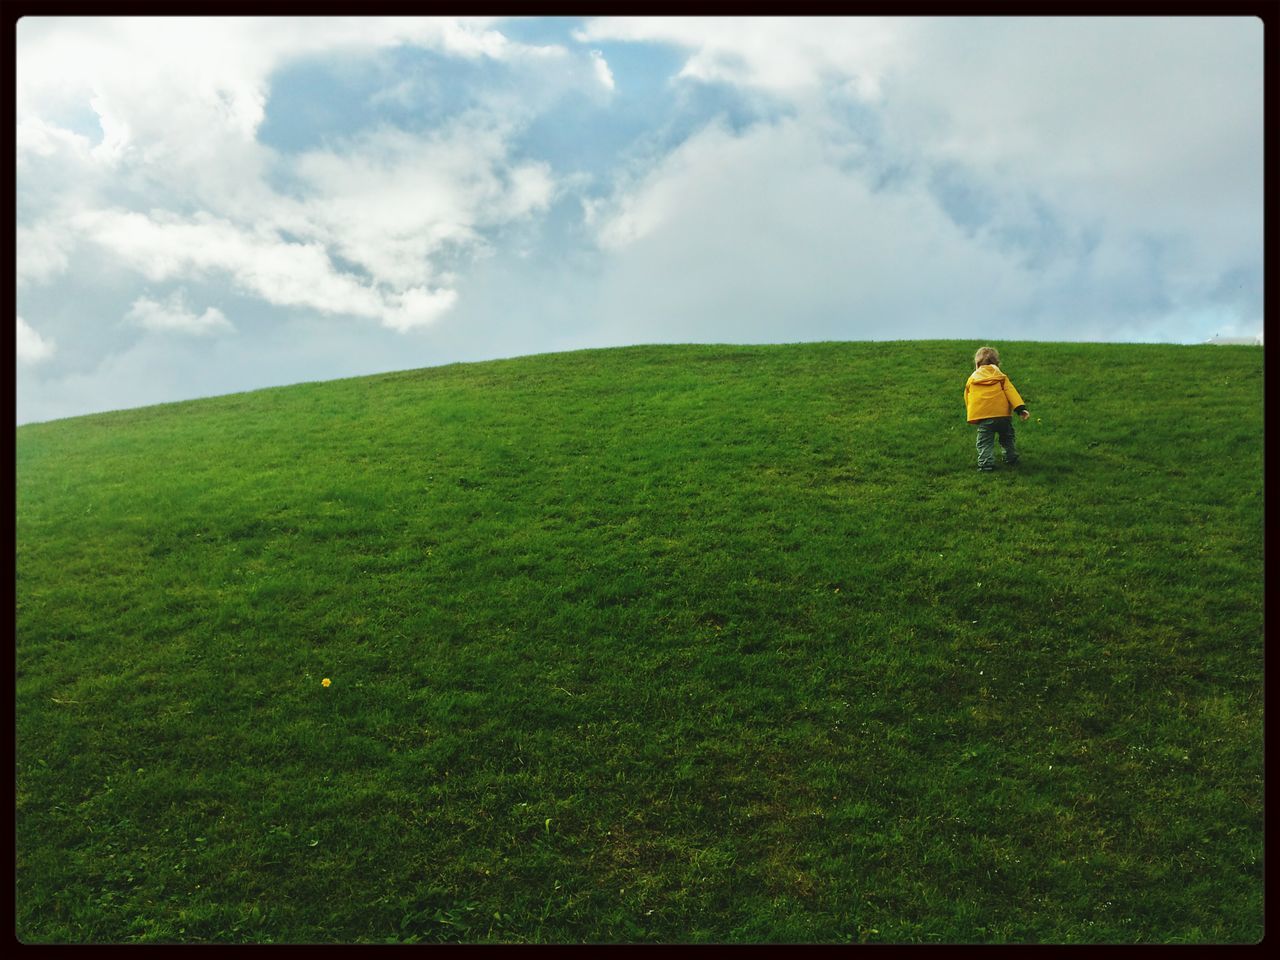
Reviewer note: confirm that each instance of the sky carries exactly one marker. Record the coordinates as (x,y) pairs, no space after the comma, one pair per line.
(211,205)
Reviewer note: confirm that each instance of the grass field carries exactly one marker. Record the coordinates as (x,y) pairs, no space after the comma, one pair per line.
(697,643)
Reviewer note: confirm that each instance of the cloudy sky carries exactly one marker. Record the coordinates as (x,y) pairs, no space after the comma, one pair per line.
(206,206)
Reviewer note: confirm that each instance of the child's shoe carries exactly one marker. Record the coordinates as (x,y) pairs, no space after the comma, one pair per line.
(986,469)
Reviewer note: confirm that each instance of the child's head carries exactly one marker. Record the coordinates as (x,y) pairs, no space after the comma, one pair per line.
(984,356)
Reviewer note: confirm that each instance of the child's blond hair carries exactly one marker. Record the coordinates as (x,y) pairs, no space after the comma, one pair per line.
(984,356)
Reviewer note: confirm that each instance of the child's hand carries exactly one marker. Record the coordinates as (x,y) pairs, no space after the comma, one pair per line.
(1025,414)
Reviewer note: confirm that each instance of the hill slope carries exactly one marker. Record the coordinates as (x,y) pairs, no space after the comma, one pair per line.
(657,643)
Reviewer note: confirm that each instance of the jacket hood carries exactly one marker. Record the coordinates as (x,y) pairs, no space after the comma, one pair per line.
(987,373)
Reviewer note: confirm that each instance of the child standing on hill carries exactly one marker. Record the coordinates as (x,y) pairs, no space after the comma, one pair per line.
(989,399)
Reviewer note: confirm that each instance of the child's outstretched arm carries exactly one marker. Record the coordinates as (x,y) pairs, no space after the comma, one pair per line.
(1015,399)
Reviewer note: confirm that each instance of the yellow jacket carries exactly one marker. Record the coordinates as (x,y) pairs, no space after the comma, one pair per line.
(989,393)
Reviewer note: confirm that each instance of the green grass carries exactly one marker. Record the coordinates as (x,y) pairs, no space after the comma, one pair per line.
(697,643)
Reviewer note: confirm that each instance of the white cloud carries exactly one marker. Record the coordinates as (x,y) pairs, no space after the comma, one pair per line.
(1142,133)
(390,201)
(42,251)
(183,96)
(1149,122)
(1152,122)
(258,261)
(39,138)
(32,348)
(529,189)
(418,307)
(116,132)
(789,55)
(218,65)
(174,316)
(761,237)
(179,102)
(603,73)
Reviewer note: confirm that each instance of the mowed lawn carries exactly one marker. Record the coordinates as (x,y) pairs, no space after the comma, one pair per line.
(669,643)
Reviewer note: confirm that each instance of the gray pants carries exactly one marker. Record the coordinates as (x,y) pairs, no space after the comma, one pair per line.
(988,430)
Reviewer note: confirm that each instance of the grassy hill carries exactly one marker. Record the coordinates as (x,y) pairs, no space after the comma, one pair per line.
(697,643)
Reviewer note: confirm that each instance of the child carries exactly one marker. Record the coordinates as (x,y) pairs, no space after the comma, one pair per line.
(989,397)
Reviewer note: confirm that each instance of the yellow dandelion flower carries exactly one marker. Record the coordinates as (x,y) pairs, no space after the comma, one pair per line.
(325,682)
